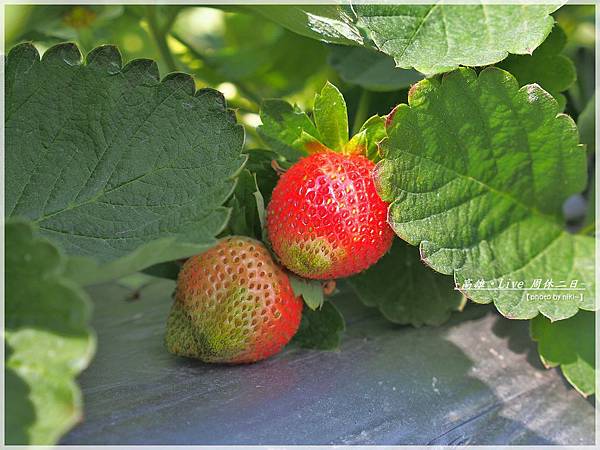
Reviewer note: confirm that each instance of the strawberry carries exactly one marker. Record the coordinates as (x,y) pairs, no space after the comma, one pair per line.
(233,304)
(325,219)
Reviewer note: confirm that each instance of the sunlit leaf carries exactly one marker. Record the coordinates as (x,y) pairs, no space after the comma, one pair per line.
(48,340)
(477,171)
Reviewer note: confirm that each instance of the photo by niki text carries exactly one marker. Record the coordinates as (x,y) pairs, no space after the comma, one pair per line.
(543,288)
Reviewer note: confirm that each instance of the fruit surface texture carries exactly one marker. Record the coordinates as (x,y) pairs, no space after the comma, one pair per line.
(325,219)
(233,304)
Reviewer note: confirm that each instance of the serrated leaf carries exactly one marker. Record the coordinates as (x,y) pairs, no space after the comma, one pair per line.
(477,171)
(328,23)
(48,341)
(570,344)
(405,290)
(429,38)
(107,160)
(370,69)
(310,290)
(321,329)
(554,72)
(438,38)
(331,117)
(285,129)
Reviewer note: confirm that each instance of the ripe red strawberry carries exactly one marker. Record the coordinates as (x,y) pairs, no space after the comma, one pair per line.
(233,304)
(325,219)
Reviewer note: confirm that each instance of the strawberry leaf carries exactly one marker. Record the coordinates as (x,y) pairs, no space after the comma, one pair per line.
(570,344)
(310,290)
(286,129)
(328,23)
(114,164)
(429,38)
(370,69)
(438,38)
(168,270)
(47,339)
(477,171)
(331,117)
(405,290)
(321,329)
(554,72)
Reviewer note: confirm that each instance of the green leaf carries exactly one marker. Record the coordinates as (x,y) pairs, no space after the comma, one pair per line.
(586,122)
(260,207)
(438,38)
(136,281)
(429,38)
(86,271)
(168,270)
(570,344)
(321,329)
(405,290)
(112,163)
(247,206)
(370,69)
(91,25)
(310,290)
(331,117)
(366,141)
(285,127)
(260,164)
(328,23)
(477,171)
(48,341)
(554,72)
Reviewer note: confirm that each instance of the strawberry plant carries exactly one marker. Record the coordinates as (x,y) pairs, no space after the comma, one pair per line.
(275,161)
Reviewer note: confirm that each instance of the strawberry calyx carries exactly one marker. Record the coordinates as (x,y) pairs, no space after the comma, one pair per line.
(357,145)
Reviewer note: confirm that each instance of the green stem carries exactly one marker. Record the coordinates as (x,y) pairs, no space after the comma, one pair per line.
(588,229)
(159,36)
(361,111)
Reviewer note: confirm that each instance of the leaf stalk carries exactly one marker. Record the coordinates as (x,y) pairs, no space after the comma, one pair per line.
(159,36)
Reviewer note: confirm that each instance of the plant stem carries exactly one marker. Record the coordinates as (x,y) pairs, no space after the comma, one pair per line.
(159,36)
(243,88)
(587,229)
(361,111)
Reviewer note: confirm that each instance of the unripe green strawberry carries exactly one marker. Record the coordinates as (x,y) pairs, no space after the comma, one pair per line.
(325,219)
(233,304)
